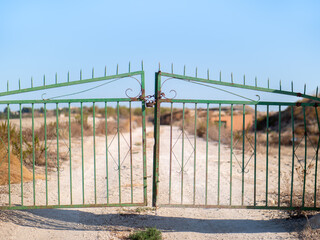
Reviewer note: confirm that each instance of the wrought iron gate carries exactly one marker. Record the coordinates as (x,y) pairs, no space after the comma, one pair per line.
(58,152)
(74,152)
(235,154)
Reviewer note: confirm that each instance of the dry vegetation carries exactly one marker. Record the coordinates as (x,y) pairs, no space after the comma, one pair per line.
(31,145)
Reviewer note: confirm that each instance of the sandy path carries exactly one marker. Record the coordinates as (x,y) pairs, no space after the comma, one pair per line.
(115,223)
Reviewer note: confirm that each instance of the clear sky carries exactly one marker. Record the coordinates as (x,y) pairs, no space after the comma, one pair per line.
(276,39)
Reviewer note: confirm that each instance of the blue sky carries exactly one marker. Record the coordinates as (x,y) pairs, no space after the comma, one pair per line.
(275,39)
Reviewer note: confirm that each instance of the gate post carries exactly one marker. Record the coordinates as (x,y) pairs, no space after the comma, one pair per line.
(155,178)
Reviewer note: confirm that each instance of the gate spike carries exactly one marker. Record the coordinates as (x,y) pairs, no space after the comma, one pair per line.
(231,77)
(142,65)
(208,74)
(31,82)
(68,76)
(56,78)
(129,67)
(196,71)
(305,88)
(8,86)
(220,76)
(92,72)
(19,84)
(117,69)
(244,79)
(172,68)
(184,70)
(159,67)
(105,70)
(44,80)
(80,74)
(291,86)
(256,82)
(268,83)
(280,84)
(317,92)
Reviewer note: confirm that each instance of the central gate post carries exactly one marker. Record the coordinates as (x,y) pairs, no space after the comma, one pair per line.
(156,146)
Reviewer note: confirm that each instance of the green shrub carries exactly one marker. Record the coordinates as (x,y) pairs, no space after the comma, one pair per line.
(148,233)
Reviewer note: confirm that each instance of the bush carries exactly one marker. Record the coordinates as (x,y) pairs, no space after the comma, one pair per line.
(149,233)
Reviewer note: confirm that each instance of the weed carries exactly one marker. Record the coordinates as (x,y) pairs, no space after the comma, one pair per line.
(148,233)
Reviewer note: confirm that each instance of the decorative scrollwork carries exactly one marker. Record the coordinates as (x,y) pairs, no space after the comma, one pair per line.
(130,90)
(171,91)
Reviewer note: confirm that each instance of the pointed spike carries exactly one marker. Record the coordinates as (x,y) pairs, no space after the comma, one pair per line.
(31,82)
(159,67)
(317,92)
(208,74)
(268,83)
(256,82)
(44,80)
(56,78)
(129,67)
(184,70)
(80,74)
(8,86)
(68,79)
(280,84)
(305,88)
(291,86)
(172,68)
(105,70)
(244,79)
(142,65)
(196,71)
(19,84)
(92,72)
(117,72)
(220,76)
(231,77)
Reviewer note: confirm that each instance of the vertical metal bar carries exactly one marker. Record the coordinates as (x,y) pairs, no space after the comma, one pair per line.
(170,164)
(33,158)
(317,152)
(267,153)
(119,149)
(207,156)
(107,151)
(182,151)
(94,150)
(46,149)
(279,156)
(219,146)
(56,78)
(231,153)
(255,157)
(131,174)
(243,149)
(68,77)
(9,158)
(70,155)
(305,156)
(21,153)
(293,154)
(155,185)
(195,153)
(58,161)
(144,144)
(82,152)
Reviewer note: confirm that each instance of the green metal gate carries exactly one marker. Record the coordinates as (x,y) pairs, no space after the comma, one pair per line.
(59,152)
(235,153)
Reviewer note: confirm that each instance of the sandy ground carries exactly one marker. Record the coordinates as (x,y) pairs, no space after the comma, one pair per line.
(175,223)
